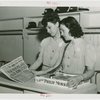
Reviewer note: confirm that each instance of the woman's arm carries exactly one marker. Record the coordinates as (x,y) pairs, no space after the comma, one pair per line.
(50,70)
(73,82)
(38,62)
(88,74)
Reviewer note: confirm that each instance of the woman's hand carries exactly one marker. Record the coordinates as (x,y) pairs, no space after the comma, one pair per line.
(37,72)
(41,73)
(74,81)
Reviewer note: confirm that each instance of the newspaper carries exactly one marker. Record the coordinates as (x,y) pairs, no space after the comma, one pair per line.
(17,70)
(59,79)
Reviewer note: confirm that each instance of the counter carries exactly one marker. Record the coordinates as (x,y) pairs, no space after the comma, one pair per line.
(33,87)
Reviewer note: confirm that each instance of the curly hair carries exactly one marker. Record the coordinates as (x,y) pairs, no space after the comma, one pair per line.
(50,17)
(74,27)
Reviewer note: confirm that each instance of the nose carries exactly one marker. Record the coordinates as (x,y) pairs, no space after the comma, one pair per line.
(61,33)
(47,30)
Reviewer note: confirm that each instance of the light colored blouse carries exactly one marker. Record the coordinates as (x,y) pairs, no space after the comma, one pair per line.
(77,57)
(51,50)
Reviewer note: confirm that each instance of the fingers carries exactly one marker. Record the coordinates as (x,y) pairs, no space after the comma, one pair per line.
(72,84)
(74,87)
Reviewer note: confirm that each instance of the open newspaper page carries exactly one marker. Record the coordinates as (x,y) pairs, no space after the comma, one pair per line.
(17,70)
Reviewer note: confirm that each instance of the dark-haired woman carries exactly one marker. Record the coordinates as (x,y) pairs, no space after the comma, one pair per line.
(80,57)
(51,46)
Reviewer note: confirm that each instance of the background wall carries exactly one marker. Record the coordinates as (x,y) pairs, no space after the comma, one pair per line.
(11,12)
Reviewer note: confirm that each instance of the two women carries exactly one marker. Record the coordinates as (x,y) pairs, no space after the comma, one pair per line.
(79,57)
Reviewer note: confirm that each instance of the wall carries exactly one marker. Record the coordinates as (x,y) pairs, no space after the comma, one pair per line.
(11,12)
(8,41)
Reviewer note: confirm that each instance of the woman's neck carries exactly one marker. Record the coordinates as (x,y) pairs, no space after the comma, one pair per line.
(57,35)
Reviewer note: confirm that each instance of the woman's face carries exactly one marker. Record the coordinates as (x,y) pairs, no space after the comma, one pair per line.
(65,32)
(52,29)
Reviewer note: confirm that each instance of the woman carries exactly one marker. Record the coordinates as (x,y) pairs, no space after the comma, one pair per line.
(80,57)
(50,53)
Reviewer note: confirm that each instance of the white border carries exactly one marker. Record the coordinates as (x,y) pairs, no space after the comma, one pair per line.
(52,3)
(49,97)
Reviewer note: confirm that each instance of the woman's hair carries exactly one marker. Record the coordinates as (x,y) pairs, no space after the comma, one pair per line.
(74,27)
(50,17)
